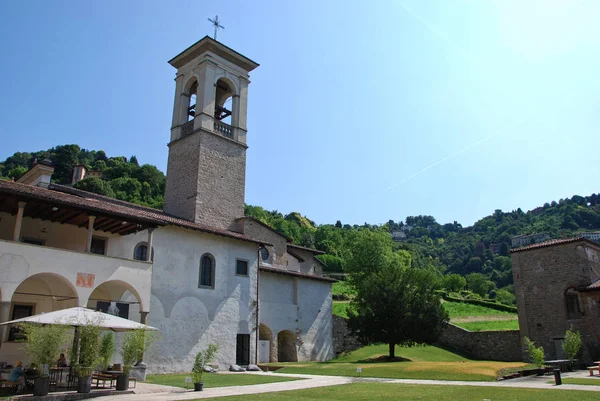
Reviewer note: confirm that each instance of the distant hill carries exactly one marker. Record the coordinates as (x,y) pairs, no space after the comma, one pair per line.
(479,252)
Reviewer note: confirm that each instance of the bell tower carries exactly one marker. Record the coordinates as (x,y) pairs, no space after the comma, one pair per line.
(206,171)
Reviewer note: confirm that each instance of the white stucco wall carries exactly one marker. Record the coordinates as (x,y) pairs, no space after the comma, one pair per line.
(188,317)
(305,312)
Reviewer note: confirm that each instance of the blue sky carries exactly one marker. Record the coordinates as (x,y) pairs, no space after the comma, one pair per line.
(360,111)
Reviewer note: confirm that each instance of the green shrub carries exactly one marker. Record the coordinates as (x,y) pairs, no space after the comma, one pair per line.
(489,304)
(536,354)
(107,349)
(203,358)
(44,343)
(135,343)
(572,344)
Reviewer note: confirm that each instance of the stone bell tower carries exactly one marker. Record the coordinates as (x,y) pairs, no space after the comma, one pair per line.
(206,171)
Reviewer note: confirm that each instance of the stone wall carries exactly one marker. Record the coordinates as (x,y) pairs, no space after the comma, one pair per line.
(542,277)
(343,339)
(486,345)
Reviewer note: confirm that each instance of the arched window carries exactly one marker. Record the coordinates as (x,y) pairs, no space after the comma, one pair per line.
(224,106)
(191,110)
(207,271)
(141,252)
(573,306)
(264,254)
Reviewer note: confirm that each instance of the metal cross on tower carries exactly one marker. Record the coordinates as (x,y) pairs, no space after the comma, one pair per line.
(216,24)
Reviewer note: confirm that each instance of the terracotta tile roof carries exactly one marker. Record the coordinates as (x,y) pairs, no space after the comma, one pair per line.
(595,286)
(315,251)
(552,242)
(101,204)
(296,274)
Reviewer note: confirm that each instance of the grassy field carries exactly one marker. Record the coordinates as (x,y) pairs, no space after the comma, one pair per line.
(459,309)
(215,379)
(489,325)
(408,392)
(341,288)
(339,308)
(592,381)
(425,362)
(480,318)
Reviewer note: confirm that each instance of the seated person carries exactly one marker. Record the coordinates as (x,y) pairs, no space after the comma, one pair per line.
(17,375)
(62,361)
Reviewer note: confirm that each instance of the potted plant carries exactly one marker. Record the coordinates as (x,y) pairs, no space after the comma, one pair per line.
(107,349)
(89,347)
(536,354)
(135,343)
(203,358)
(43,344)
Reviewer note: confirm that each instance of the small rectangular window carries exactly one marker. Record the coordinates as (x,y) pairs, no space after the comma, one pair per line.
(98,246)
(19,312)
(241,268)
(33,241)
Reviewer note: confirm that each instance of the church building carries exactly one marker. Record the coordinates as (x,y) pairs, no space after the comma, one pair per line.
(199,271)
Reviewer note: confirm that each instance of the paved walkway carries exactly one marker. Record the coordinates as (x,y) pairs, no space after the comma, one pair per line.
(152,392)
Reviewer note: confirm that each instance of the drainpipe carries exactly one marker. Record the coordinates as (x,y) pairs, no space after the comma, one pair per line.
(257,320)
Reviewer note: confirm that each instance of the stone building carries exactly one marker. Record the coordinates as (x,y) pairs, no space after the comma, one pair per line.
(557,285)
(199,271)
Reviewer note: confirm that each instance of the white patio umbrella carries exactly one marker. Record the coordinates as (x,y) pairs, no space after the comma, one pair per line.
(79,316)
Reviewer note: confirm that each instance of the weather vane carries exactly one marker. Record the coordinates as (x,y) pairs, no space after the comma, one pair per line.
(216,24)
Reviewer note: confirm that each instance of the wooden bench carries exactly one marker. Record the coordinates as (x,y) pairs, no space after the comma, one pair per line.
(101,377)
(134,380)
(592,368)
(7,384)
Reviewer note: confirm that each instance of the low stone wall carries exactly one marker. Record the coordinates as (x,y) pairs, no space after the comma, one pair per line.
(485,345)
(343,339)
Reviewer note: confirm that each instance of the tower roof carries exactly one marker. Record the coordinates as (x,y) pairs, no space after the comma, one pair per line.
(209,44)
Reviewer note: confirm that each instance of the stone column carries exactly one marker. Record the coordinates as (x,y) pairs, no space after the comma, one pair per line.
(149,253)
(143,316)
(4,317)
(90,232)
(19,221)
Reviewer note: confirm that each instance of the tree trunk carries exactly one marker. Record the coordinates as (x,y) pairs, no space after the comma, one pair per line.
(392,350)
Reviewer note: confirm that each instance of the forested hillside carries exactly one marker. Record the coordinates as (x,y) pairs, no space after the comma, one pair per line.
(123,178)
(447,249)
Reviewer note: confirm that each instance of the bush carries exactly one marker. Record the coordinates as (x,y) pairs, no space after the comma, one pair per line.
(134,345)
(203,358)
(536,354)
(44,343)
(107,349)
(572,344)
(89,347)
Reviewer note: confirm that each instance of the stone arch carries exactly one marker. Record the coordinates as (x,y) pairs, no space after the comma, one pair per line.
(286,346)
(43,292)
(190,95)
(62,292)
(266,334)
(112,292)
(225,107)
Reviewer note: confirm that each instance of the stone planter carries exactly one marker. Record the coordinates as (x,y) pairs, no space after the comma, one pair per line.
(122,382)
(84,384)
(198,386)
(41,386)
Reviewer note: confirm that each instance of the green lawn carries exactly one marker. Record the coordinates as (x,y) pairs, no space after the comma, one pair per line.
(592,381)
(215,379)
(459,309)
(339,308)
(341,287)
(425,362)
(408,392)
(489,325)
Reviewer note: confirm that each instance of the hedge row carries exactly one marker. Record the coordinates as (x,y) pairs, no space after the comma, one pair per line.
(487,304)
